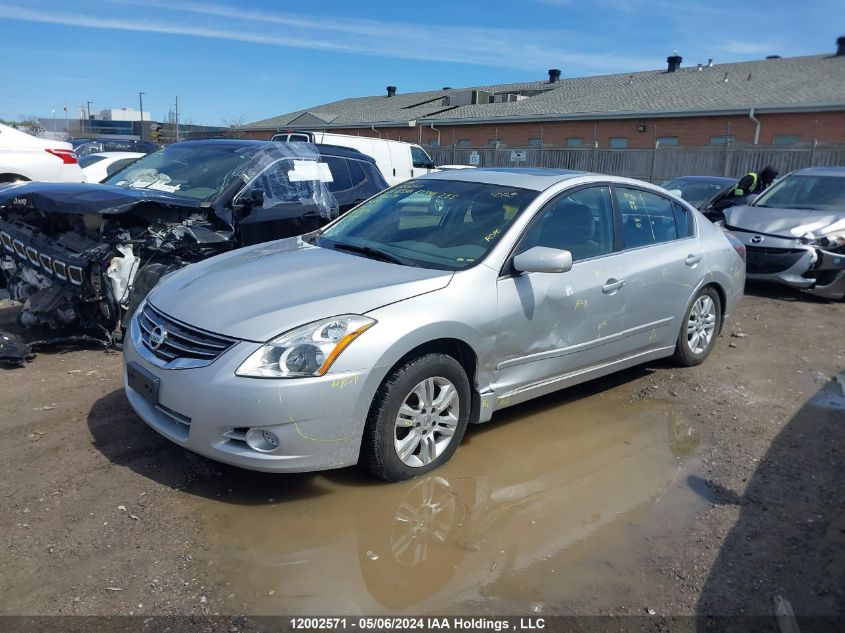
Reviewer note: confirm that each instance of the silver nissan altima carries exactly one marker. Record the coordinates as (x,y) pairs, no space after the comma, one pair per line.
(431,306)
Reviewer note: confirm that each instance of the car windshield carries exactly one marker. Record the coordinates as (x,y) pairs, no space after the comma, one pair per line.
(192,171)
(442,224)
(696,191)
(284,172)
(816,193)
(90,159)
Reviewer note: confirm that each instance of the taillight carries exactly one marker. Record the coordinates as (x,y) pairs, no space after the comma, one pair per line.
(739,247)
(68,156)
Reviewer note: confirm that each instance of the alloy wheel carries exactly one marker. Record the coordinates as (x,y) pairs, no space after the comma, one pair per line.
(427,420)
(701,324)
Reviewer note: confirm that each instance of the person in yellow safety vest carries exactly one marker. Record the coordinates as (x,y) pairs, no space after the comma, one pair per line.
(752,183)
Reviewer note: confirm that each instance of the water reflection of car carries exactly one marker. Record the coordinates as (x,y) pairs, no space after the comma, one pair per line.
(84,255)
(381,336)
(698,190)
(484,529)
(794,231)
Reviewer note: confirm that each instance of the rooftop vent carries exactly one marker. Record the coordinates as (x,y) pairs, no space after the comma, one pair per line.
(710,63)
(840,46)
(391,91)
(772,56)
(700,66)
(674,62)
(554,75)
(446,88)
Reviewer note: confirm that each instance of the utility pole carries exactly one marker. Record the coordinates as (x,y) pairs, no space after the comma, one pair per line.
(89,116)
(177,118)
(141,105)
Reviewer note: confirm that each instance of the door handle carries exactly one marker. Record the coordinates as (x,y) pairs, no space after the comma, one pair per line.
(692,260)
(612,285)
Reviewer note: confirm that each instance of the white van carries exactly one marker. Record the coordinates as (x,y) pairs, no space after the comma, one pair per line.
(398,161)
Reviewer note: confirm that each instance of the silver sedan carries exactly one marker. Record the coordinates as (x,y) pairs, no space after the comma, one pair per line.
(378,338)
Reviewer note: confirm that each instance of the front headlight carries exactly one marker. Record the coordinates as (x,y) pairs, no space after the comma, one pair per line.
(308,350)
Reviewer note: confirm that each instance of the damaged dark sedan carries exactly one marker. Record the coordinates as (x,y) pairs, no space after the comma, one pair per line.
(85,255)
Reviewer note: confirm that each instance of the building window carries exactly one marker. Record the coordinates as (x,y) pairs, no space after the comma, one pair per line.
(464,142)
(494,142)
(618,142)
(722,140)
(434,143)
(668,140)
(535,141)
(574,142)
(786,139)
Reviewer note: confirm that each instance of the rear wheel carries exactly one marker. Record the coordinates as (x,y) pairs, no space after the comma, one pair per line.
(417,418)
(699,328)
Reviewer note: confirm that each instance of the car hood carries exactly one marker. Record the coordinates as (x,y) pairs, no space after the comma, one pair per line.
(772,221)
(80,198)
(260,292)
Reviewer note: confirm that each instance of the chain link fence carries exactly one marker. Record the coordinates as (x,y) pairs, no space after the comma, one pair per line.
(653,165)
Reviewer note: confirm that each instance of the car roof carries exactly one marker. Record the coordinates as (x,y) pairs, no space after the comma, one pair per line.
(718,179)
(522,177)
(838,172)
(325,150)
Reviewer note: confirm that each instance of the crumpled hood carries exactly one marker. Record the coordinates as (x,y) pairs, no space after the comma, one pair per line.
(79,198)
(260,292)
(772,221)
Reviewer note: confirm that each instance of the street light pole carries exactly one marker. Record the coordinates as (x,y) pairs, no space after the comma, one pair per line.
(89,116)
(141,105)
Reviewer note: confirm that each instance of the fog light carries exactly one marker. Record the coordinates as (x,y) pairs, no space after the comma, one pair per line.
(261,440)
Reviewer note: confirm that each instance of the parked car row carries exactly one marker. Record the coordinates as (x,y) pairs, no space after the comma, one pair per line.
(387,329)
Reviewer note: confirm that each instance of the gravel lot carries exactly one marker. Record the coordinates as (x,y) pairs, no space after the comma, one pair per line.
(709,490)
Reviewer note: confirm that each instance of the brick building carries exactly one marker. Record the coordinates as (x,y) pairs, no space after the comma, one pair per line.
(775,101)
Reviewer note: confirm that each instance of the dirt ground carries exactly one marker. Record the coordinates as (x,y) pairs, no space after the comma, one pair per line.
(710,490)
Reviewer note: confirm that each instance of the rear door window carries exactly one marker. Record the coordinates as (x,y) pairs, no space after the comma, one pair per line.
(342,180)
(647,218)
(683,221)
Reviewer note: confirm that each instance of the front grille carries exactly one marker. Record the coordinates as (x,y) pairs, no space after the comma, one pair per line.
(178,340)
(768,261)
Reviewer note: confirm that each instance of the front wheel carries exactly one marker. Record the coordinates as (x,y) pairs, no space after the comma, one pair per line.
(417,418)
(699,328)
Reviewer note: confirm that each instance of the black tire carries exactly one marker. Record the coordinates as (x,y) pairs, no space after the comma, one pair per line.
(378,452)
(684,354)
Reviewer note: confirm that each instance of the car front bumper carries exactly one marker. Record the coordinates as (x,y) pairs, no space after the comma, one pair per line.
(318,421)
(787,261)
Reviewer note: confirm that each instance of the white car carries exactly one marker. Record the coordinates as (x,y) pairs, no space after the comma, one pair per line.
(98,167)
(397,161)
(26,157)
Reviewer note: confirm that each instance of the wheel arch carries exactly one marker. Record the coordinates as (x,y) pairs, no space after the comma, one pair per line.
(458,349)
(723,299)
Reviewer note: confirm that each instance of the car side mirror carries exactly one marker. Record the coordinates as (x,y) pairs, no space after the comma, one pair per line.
(751,198)
(542,259)
(256,198)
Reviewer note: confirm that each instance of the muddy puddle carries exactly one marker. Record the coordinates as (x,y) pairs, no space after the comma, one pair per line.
(539,507)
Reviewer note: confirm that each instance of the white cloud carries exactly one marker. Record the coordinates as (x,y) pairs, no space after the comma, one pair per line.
(497,47)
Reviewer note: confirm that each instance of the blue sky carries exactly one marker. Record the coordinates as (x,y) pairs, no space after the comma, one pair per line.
(252,59)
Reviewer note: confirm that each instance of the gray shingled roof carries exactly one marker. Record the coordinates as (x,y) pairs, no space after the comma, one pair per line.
(796,83)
